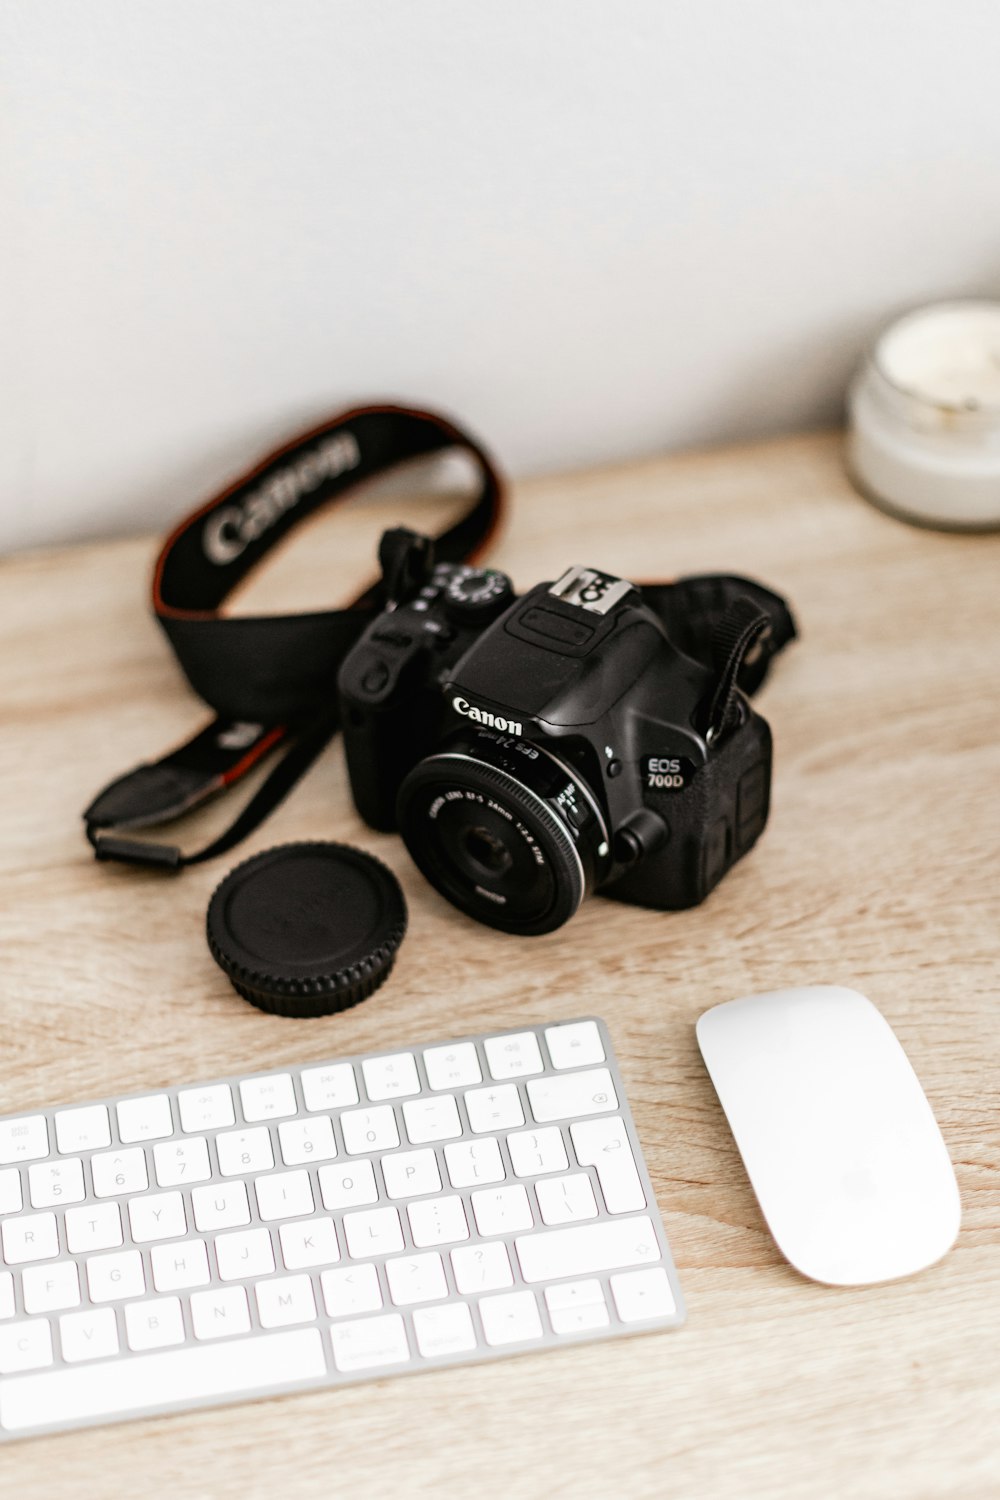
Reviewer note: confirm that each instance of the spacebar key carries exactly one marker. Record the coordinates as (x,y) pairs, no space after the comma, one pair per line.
(154,1381)
(587,1248)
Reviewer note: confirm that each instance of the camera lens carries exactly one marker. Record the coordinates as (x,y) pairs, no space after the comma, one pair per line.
(484,848)
(505,830)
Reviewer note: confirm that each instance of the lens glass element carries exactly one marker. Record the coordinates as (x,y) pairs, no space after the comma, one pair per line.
(487,851)
(503,829)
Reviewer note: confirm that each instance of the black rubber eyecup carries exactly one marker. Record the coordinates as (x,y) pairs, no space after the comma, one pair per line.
(307,929)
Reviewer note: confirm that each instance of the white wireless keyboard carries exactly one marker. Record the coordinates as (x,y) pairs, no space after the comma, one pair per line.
(320,1225)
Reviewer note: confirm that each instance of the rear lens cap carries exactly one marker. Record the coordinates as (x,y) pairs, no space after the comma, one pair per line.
(307,929)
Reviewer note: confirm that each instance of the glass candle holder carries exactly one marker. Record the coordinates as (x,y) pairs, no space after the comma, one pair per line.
(924,417)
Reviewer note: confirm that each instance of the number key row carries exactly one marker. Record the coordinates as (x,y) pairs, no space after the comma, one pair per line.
(273,1096)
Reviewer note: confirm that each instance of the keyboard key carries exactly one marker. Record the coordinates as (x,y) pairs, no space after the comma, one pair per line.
(115,1277)
(154,1324)
(117,1172)
(26,1139)
(474,1163)
(332,1087)
(643,1294)
(209,1108)
(582,1319)
(242,1255)
(354,1289)
(577,1045)
(284,1195)
(496,1108)
(55,1182)
(157,1216)
(348,1185)
(370,1129)
(566,1294)
(569,1094)
(408,1173)
(391,1077)
(11,1199)
(482,1268)
(32,1237)
(51,1287)
(242,1151)
(509,1155)
(162,1379)
(432,1119)
(179,1162)
(511,1318)
(268,1098)
(84,1129)
(585,1249)
(437,1221)
(312,1243)
(452,1067)
(145,1119)
(369,1343)
(416,1278)
(44,1288)
(376,1232)
(25,1346)
(224,1205)
(95,1226)
(285,1300)
(307,1140)
(177,1267)
(604,1144)
(536,1151)
(561,1200)
(502,1210)
(513,1056)
(220,1313)
(444,1330)
(91,1334)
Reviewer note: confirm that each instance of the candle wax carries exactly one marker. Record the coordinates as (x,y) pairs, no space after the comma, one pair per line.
(948,355)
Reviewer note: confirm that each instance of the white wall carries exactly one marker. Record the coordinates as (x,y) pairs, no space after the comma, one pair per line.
(591,228)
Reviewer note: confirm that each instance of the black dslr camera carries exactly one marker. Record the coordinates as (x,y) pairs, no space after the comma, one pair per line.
(533,750)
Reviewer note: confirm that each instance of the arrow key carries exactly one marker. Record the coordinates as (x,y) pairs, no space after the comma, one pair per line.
(576,1306)
(511,1318)
(642,1294)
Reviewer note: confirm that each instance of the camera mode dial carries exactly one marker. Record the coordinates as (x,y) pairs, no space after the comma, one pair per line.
(472,596)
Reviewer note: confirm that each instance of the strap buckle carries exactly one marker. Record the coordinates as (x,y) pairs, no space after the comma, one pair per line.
(152,794)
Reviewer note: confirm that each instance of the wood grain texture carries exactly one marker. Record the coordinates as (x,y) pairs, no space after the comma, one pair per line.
(878,871)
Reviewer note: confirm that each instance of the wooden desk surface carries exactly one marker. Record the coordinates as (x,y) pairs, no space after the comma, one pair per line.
(878,870)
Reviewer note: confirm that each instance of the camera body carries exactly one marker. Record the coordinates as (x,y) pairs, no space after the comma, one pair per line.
(533,749)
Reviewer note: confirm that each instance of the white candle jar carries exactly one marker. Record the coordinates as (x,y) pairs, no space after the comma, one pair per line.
(924,414)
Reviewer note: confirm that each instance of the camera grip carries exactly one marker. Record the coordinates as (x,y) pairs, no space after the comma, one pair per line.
(712,823)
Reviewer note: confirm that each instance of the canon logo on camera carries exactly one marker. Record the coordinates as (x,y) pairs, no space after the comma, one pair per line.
(229,531)
(483,716)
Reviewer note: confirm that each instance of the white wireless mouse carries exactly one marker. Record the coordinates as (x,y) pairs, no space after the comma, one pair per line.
(837,1136)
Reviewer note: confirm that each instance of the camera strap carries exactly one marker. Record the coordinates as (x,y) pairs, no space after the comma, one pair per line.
(272,680)
(733,625)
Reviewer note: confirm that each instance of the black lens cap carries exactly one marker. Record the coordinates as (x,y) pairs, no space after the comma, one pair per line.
(307,929)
